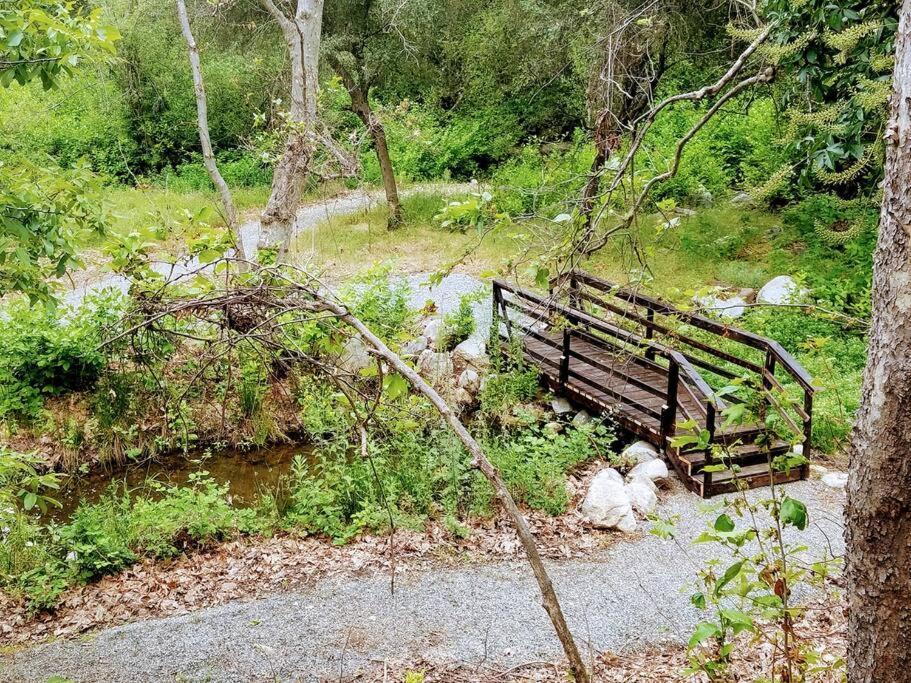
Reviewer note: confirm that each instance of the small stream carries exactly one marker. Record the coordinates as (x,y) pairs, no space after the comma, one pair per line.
(248,473)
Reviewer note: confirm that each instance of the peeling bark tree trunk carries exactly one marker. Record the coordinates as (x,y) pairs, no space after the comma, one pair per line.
(549,598)
(360,105)
(302,32)
(878,515)
(202,122)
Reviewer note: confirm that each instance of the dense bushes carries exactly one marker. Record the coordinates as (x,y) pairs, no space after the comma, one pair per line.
(48,353)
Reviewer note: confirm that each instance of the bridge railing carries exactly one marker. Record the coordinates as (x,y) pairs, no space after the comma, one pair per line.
(658,323)
(533,315)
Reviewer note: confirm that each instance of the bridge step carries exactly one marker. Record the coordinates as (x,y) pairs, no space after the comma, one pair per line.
(744,456)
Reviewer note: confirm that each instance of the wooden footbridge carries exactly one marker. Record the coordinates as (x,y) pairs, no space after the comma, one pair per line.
(661,372)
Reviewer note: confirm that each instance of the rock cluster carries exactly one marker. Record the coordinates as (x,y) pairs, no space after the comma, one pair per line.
(612,502)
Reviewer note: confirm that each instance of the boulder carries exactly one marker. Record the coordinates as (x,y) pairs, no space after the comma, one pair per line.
(704,197)
(354,356)
(611,473)
(555,427)
(581,418)
(742,198)
(434,366)
(835,480)
(470,381)
(818,471)
(433,328)
(472,351)
(464,398)
(607,505)
(414,347)
(560,406)
(732,308)
(653,470)
(642,496)
(781,290)
(641,451)
(748,294)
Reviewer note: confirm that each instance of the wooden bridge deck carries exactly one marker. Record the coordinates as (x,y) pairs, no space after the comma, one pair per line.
(648,387)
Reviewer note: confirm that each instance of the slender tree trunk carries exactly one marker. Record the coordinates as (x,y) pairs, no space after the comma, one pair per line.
(360,105)
(302,33)
(202,122)
(549,599)
(878,515)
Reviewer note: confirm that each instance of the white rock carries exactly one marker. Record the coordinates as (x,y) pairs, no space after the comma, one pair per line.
(607,505)
(432,330)
(781,290)
(835,480)
(463,397)
(641,451)
(470,381)
(555,427)
(472,351)
(732,308)
(434,366)
(354,356)
(560,406)
(818,471)
(611,473)
(415,346)
(798,449)
(642,495)
(653,470)
(742,198)
(582,418)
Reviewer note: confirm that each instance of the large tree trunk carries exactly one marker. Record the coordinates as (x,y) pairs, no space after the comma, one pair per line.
(202,121)
(360,105)
(878,516)
(302,33)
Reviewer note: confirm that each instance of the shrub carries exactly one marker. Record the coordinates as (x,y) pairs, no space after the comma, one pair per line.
(380,302)
(534,462)
(460,324)
(48,354)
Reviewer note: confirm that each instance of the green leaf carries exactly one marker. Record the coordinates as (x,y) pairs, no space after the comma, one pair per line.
(704,630)
(729,575)
(724,523)
(396,386)
(794,512)
(29,500)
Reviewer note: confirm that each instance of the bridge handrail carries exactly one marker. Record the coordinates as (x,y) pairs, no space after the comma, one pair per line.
(787,361)
(575,315)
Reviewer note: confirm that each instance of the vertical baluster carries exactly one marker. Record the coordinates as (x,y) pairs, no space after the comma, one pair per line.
(807,430)
(649,331)
(669,410)
(709,457)
(564,359)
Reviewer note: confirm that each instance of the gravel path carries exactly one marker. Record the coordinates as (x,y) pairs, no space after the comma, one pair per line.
(630,595)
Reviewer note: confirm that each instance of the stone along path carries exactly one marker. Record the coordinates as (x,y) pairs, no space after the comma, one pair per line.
(628,596)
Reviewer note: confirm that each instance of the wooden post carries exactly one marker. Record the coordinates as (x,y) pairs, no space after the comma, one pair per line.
(649,332)
(769,366)
(709,458)
(564,359)
(807,431)
(574,292)
(669,410)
